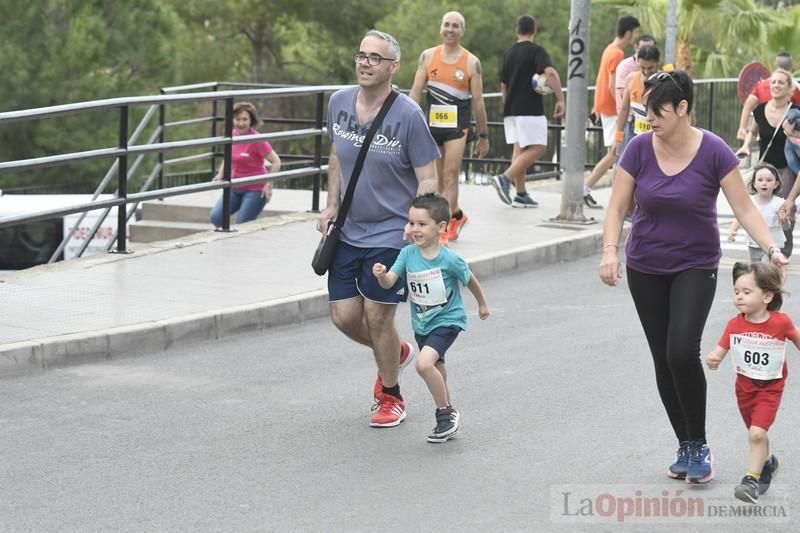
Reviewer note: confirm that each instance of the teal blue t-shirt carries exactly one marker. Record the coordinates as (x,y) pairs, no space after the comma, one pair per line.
(433,288)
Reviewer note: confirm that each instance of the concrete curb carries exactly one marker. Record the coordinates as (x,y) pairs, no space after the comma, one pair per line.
(148,337)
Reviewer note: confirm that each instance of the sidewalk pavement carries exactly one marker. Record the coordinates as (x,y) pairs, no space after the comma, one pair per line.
(214,284)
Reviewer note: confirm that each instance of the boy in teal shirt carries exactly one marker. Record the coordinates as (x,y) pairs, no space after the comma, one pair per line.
(433,273)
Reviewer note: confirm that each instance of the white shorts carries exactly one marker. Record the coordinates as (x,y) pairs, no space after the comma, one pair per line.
(526,130)
(609,123)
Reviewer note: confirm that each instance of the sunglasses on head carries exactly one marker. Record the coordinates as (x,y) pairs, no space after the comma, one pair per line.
(659,77)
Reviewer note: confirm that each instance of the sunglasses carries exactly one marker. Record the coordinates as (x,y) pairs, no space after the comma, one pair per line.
(659,77)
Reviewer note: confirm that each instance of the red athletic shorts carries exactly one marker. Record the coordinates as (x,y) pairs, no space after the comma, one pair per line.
(758,400)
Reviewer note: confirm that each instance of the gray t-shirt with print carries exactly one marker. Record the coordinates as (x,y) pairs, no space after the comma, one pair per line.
(387,183)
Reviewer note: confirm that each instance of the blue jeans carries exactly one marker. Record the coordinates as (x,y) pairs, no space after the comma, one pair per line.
(248,204)
(627,138)
(791,150)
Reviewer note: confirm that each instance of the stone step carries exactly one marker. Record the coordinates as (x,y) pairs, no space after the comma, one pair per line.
(161,230)
(177,217)
(171,212)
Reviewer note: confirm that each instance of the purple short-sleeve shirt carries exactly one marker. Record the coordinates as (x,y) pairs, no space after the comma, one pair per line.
(674,226)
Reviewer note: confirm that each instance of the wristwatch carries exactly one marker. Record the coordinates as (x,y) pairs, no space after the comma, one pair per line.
(483,135)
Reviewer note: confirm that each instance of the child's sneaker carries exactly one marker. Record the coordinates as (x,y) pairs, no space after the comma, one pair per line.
(747,491)
(446,425)
(767,474)
(700,463)
(680,466)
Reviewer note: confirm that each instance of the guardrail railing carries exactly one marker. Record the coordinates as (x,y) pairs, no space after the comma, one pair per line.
(126,149)
(713,110)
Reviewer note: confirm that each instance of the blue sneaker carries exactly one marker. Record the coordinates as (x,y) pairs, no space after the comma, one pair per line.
(767,474)
(701,463)
(524,200)
(679,467)
(502,185)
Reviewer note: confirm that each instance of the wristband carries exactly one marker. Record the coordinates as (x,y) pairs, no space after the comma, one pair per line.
(771,252)
(483,135)
(610,245)
(619,136)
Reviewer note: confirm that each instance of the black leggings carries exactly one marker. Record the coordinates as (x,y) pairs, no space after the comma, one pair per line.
(673,309)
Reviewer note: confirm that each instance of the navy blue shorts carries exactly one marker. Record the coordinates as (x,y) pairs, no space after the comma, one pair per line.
(351,275)
(440,339)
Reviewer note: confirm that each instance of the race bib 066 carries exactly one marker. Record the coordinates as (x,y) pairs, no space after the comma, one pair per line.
(443,116)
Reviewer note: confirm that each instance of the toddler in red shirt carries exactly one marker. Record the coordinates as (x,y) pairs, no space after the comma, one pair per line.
(756,338)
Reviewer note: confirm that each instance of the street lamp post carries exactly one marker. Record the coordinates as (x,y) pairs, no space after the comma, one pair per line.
(672,24)
(574,152)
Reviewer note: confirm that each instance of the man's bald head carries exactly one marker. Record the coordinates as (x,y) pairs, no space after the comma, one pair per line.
(456,15)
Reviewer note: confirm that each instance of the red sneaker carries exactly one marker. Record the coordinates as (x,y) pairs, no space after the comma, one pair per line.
(455,226)
(390,412)
(406,356)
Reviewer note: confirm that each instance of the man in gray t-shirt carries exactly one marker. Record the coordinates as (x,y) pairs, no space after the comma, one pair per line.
(399,165)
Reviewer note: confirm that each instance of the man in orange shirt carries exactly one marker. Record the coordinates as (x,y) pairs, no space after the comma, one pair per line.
(605,101)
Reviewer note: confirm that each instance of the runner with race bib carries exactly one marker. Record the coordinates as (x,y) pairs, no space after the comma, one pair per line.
(434,273)
(632,116)
(756,339)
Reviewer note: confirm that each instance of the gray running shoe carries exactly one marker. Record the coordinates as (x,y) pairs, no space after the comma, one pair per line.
(502,185)
(446,425)
(767,474)
(747,491)
(524,201)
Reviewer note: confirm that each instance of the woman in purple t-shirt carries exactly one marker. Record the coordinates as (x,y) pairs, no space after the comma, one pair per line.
(247,160)
(674,174)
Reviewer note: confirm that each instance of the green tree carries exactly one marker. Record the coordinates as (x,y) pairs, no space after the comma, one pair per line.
(273,41)
(60,51)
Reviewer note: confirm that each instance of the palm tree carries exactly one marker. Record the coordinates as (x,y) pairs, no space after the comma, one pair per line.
(714,37)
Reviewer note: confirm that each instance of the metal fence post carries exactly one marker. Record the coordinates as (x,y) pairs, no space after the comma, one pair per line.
(317,184)
(162,119)
(214,111)
(559,169)
(226,174)
(710,107)
(122,180)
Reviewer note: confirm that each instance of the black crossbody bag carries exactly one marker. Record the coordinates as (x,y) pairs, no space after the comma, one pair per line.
(326,249)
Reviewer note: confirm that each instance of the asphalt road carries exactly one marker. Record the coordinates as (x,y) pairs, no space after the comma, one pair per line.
(561,426)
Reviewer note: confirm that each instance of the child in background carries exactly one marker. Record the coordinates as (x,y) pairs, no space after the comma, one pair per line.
(757,339)
(762,186)
(437,310)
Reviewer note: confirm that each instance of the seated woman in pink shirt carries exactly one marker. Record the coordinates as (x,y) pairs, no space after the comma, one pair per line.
(247,160)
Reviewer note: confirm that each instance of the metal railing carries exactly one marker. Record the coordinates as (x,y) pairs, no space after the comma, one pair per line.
(127,149)
(713,110)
